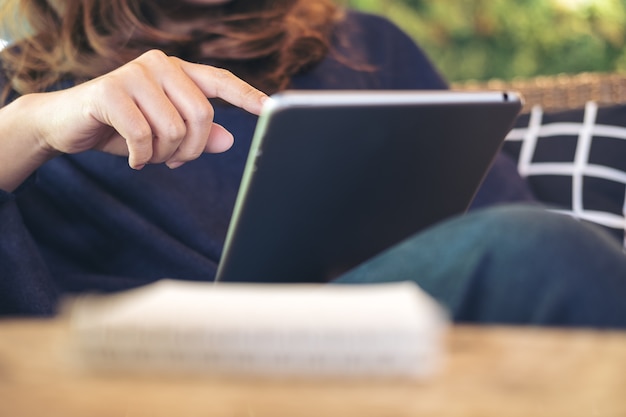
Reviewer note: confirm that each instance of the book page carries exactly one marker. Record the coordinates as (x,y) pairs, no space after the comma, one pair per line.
(298,330)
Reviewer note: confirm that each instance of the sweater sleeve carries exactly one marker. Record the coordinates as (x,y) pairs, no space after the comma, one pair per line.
(25,283)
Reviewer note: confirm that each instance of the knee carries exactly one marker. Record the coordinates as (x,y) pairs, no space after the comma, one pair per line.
(537,266)
(538,230)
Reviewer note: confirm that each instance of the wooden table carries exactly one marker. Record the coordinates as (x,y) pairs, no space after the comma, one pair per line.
(490,371)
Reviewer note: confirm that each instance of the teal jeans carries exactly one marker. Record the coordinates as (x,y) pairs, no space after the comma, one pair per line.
(512,265)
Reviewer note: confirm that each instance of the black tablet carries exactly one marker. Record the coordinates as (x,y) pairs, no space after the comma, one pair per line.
(335,177)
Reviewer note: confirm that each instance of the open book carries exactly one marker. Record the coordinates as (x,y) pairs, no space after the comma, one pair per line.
(296,330)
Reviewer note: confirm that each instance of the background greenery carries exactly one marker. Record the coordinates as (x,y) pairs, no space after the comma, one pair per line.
(483,39)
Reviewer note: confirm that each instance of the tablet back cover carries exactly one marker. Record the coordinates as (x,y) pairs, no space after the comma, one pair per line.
(329,184)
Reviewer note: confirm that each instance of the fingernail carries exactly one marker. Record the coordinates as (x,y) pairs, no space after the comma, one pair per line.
(174,165)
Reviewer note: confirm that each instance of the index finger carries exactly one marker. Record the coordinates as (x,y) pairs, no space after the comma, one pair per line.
(221,83)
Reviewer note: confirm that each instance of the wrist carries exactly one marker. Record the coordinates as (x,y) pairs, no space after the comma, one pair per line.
(28,112)
(22,148)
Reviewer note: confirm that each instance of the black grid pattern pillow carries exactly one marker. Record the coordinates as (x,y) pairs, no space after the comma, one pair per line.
(576,160)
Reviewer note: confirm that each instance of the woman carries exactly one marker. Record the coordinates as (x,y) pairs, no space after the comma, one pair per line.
(106,104)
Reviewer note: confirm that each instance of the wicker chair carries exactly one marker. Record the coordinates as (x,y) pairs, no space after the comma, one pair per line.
(560,92)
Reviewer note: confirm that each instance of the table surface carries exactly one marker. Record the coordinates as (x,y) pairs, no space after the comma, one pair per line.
(489,371)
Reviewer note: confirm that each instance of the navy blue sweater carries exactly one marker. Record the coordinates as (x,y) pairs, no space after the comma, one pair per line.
(89,222)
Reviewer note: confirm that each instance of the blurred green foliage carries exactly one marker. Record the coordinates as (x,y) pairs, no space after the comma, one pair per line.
(483,39)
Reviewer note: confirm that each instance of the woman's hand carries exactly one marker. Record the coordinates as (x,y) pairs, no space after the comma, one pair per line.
(153,110)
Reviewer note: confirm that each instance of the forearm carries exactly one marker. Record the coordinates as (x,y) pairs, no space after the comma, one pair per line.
(22,150)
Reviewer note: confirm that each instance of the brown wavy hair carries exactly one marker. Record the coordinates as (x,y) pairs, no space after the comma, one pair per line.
(265,42)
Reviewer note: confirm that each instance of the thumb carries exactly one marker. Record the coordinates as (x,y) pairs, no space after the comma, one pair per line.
(219,139)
